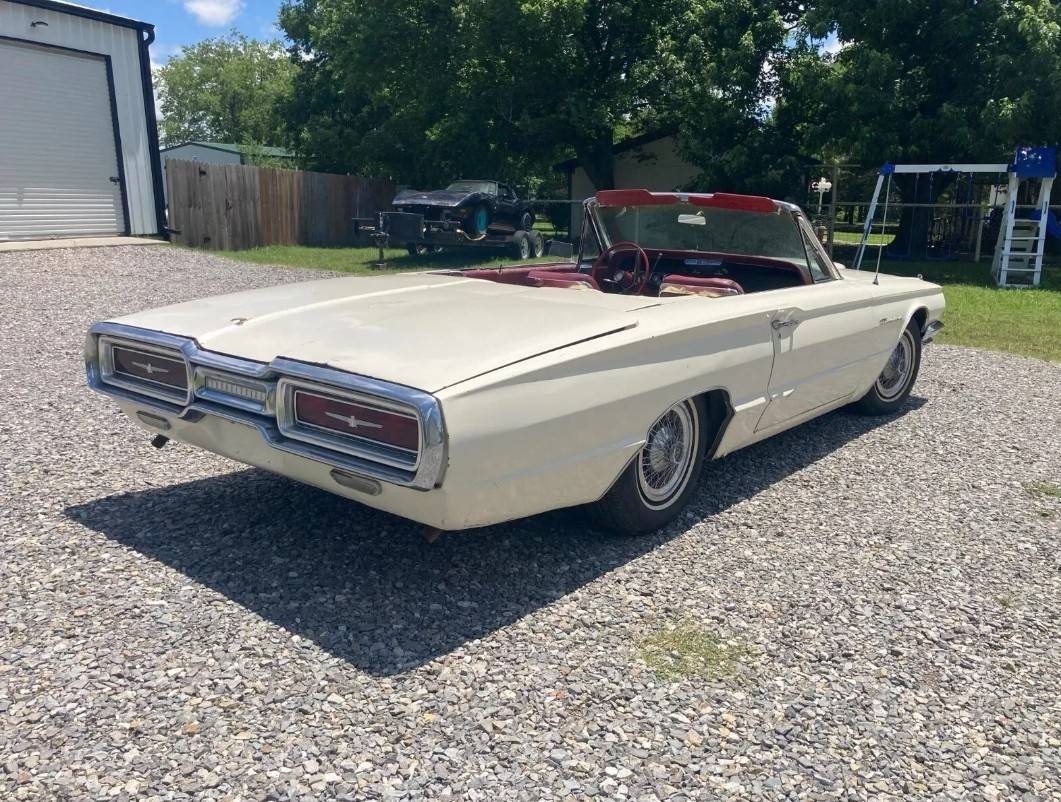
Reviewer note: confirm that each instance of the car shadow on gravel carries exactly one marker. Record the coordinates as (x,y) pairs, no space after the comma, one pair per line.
(364,586)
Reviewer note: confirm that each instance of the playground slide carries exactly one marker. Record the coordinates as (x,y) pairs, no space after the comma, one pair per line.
(1053,226)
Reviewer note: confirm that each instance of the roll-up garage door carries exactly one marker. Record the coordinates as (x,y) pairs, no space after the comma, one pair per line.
(58,154)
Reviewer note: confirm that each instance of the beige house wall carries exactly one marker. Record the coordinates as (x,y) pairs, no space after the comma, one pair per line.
(654,166)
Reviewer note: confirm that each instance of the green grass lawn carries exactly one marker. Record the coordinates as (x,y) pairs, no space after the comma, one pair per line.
(1025,321)
(979,314)
(360,260)
(855,237)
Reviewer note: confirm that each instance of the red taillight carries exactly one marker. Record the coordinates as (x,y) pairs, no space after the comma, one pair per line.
(149,366)
(358,420)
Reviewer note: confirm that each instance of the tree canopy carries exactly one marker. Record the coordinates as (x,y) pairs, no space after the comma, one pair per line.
(427,90)
(430,89)
(950,80)
(227,89)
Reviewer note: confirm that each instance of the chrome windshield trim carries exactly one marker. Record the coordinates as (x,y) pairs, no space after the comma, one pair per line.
(425,474)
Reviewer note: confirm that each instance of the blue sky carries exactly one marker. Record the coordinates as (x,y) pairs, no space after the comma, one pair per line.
(179,23)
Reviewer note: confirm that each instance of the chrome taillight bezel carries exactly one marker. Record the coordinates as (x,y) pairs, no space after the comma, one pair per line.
(291,426)
(110,375)
(273,418)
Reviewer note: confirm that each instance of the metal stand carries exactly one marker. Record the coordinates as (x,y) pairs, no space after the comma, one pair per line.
(380,239)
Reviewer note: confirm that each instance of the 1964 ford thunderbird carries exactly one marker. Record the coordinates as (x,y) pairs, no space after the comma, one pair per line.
(688,327)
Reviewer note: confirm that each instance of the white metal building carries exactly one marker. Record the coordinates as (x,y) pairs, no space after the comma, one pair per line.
(78,135)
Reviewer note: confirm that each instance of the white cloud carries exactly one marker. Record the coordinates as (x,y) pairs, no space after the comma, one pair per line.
(214,12)
(832,45)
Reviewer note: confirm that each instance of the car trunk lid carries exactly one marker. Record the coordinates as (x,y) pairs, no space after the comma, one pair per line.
(427,331)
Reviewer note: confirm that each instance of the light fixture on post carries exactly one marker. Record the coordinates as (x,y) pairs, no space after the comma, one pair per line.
(821,186)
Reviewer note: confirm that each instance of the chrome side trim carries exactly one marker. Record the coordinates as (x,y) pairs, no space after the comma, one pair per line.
(931,330)
(425,474)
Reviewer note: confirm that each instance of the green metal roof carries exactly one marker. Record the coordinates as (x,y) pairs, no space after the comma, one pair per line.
(263,150)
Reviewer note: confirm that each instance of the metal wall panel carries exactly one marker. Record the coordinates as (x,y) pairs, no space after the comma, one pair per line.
(122,45)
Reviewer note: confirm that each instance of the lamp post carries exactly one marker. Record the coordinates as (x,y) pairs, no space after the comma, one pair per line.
(821,186)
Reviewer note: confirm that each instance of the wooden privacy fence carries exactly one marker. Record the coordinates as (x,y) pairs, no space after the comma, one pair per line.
(231,207)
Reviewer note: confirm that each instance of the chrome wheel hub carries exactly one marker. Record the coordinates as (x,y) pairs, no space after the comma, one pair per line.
(663,466)
(896,374)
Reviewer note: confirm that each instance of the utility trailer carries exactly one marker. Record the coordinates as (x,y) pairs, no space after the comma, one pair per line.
(422,236)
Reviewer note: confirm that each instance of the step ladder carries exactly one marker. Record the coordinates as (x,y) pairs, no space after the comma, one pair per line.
(1018,260)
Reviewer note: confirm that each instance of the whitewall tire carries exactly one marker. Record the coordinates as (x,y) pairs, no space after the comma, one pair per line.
(658,483)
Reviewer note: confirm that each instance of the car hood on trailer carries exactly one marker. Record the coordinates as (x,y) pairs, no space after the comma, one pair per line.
(427,331)
(440,197)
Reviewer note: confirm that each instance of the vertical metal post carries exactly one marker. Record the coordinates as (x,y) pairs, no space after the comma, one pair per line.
(883,229)
(980,234)
(1002,258)
(1045,186)
(832,206)
(381,237)
(868,226)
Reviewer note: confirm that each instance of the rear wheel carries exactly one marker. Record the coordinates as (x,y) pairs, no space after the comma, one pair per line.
(521,245)
(537,243)
(526,221)
(893,386)
(658,483)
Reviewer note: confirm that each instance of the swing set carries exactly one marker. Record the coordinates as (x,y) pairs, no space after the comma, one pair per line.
(973,197)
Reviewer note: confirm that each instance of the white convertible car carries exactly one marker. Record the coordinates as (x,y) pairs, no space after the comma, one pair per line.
(690,325)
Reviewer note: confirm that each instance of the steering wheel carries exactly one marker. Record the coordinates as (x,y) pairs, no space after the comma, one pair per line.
(628,282)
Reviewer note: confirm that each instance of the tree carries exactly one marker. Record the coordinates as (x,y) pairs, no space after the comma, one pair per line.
(426,90)
(227,89)
(723,105)
(940,81)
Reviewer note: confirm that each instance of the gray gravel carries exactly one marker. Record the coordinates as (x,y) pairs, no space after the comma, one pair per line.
(174,626)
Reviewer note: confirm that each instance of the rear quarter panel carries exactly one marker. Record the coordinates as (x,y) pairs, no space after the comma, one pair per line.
(558,429)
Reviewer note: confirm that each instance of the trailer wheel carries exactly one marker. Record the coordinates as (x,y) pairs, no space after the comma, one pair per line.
(521,245)
(537,244)
(420,249)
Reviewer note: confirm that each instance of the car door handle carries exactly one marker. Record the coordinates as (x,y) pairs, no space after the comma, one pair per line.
(778,325)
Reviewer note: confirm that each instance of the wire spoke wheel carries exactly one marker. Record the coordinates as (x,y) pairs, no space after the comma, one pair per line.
(664,464)
(896,374)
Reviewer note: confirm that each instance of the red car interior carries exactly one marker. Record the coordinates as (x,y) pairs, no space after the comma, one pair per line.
(627,268)
(693,270)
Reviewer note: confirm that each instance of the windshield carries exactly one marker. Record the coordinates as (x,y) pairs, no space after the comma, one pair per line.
(489,187)
(686,227)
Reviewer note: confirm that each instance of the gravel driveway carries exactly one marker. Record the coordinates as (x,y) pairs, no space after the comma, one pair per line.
(175,626)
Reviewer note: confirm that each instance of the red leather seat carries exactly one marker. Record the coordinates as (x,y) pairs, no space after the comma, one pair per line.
(549,278)
(712,286)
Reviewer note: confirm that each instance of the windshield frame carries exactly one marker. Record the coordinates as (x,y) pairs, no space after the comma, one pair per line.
(594,209)
(491,186)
